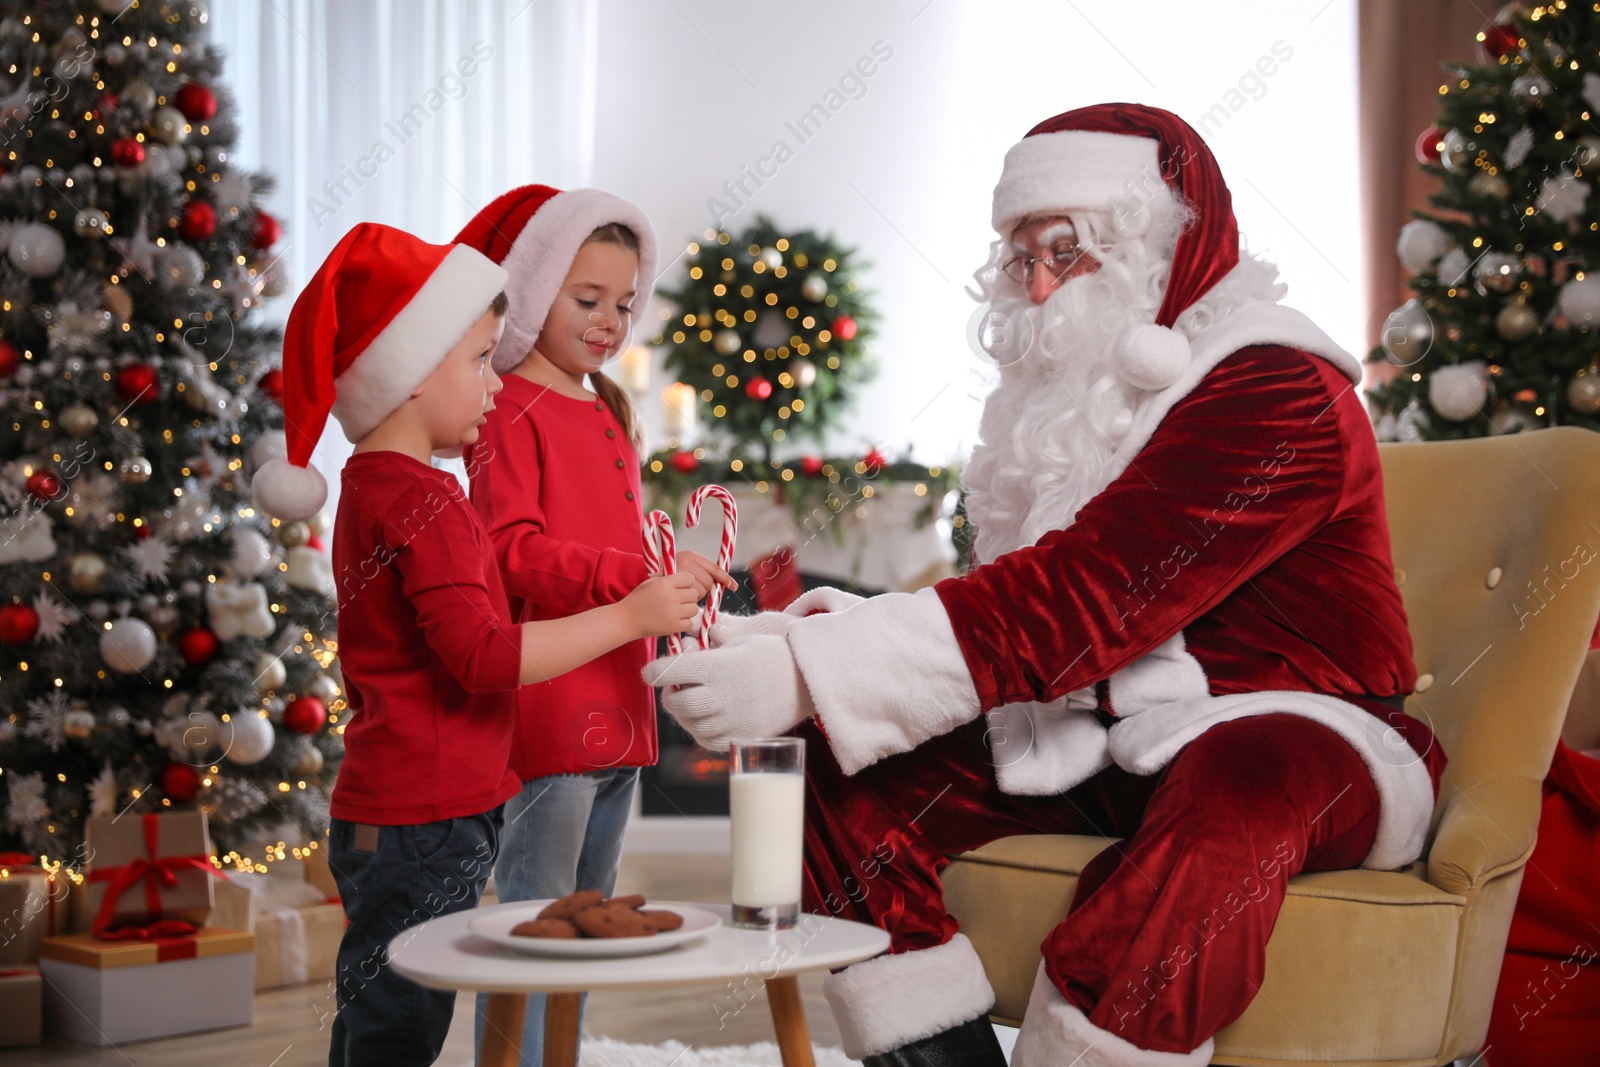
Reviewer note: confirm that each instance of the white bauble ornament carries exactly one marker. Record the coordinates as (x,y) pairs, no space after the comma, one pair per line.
(1407,334)
(814,287)
(324,688)
(168,125)
(269,446)
(252,552)
(1579,301)
(771,257)
(321,524)
(271,674)
(804,371)
(91,222)
(36,249)
(138,94)
(726,342)
(178,267)
(128,645)
(1422,243)
(1458,151)
(238,609)
(1458,392)
(247,737)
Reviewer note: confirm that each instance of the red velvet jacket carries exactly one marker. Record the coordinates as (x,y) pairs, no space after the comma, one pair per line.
(1252,521)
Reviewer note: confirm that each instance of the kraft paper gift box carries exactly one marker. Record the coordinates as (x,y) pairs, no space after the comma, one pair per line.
(32,905)
(21,1006)
(151,867)
(109,992)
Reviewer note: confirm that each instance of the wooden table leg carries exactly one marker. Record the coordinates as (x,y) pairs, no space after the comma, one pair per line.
(561,1029)
(789,1021)
(502,1029)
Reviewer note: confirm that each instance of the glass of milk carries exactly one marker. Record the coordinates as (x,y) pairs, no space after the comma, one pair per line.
(767,793)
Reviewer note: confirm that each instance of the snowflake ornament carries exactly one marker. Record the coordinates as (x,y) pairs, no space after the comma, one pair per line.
(103,792)
(54,618)
(151,559)
(45,719)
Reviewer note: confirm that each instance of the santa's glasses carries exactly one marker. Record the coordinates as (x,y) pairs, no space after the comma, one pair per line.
(1057,261)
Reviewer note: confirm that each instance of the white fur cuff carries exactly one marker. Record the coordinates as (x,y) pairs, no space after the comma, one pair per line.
(884,675)
(1055,1032)
(890,1001)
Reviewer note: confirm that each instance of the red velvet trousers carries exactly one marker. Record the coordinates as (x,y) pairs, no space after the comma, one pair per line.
(1165,941)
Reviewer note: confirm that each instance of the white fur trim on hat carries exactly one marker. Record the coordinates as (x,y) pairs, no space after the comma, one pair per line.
(1152,357)
(543,253)
(1052,173)
(1054,1032)
(416,340)
(287,492)
(890,1001)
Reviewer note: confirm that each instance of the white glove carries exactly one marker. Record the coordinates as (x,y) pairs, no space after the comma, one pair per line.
(730,628)
(748,688)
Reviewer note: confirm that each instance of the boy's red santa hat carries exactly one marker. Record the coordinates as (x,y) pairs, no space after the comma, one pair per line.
(534,232)
(1110,157)
(380,314)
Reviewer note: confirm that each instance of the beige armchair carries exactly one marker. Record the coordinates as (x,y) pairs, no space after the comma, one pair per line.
(1497,552)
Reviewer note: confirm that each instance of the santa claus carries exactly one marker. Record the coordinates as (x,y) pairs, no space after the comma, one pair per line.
(1184,631)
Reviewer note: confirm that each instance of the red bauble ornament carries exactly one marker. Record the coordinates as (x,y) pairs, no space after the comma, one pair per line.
(684,462)
(197,646)
(196,102)
(199,220)
(1430,143)
(844,328)
(44,485)
(811,465)
(758,389)
(1499,40)
(271,386)
(137,383)
(127,152)
(142,531)
(305,715)
(267,231)
(874,461)
(180,782)
(18,624)
(109,102)
(10,359)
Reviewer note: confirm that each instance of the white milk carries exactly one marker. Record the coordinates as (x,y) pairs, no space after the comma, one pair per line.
(768,816)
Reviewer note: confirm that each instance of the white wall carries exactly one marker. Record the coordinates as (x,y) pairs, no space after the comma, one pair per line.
(691,91)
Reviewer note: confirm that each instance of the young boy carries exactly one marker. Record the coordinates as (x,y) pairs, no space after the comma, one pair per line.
(392,337)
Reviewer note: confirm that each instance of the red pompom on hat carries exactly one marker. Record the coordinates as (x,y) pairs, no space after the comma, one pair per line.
(1101,158)
(534,232)
(380,314)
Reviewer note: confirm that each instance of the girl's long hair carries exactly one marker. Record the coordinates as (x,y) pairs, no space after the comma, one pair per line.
(609,392)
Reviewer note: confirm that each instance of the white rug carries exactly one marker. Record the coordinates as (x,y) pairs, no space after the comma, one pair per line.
(604,1052)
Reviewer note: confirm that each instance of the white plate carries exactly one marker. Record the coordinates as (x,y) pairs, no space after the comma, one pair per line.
(496,926)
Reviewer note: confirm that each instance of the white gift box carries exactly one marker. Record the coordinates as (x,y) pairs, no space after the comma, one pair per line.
(109,992)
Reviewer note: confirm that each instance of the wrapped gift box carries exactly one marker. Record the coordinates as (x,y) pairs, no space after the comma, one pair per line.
(108,992)
(297,930)
(21,1006)
(30,901)
(152,866)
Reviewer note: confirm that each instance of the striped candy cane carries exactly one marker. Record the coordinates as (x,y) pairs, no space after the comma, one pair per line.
(661,555)
(730,530)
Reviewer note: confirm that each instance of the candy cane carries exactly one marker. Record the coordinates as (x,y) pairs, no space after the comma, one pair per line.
(661,555)
(730,530)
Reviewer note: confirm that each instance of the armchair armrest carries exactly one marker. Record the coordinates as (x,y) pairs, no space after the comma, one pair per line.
(1488,825)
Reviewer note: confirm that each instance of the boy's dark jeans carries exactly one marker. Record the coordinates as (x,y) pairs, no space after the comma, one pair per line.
(392,878)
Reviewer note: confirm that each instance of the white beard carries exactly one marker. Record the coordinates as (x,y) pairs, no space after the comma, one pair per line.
(1050,429)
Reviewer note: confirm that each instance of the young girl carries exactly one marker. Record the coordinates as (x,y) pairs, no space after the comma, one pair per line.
(555,477)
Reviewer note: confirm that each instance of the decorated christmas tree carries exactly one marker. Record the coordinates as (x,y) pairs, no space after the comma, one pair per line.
(1504,331)
(165,644)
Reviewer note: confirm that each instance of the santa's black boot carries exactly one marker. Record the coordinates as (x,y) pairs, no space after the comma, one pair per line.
(972,1044)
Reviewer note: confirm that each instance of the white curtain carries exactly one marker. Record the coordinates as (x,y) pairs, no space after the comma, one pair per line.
(414,113)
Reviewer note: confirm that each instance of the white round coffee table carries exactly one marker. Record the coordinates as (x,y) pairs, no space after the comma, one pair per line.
(443,954)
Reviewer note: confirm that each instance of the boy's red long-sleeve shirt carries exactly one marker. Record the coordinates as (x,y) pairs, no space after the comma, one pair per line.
(429,654)
(556,482)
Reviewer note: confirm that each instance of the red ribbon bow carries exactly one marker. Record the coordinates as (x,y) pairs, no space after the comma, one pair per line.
(156,873)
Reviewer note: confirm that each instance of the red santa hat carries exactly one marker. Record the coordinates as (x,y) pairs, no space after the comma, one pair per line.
(535,232)
(380,314)
(1104,157)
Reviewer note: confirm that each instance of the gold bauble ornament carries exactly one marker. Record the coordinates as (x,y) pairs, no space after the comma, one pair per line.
(309,763)
(135,470)
(78,724)
(1516,322)
(1583,392)
(293,534)
(85,571)
(79,420)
